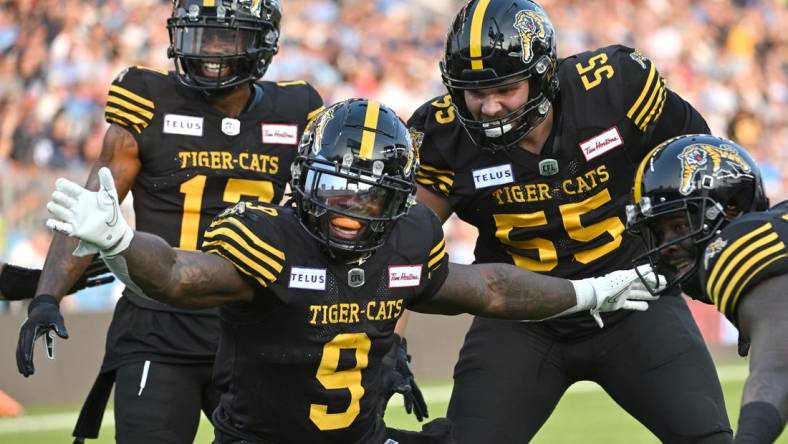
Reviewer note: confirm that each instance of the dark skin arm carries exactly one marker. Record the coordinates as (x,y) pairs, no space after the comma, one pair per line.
(120,154)
(762,318)
(499,291)
(181,278)
(191,279)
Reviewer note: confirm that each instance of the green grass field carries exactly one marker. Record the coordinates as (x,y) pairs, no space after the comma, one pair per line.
(586,414)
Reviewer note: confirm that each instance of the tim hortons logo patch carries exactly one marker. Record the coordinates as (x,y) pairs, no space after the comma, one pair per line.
(401,276)
(282,134)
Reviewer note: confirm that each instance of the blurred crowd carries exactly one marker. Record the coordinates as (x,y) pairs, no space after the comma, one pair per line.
(58,57)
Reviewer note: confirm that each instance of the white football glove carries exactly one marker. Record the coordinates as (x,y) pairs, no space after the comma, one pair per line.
(93,217)
(620,289)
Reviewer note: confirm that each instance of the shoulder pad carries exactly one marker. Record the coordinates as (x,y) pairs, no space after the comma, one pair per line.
(246,236)
(749,250)
(129,101)
(620,79)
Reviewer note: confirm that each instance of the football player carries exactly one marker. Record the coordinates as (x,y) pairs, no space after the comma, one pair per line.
(187,143)
(19,283)
(701,210)
(310,294)
(539,155)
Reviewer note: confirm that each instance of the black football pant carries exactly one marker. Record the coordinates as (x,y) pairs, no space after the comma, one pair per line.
(163,404)
(654,364)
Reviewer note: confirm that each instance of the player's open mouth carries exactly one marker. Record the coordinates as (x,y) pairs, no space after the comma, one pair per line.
(345,227)
(210,69)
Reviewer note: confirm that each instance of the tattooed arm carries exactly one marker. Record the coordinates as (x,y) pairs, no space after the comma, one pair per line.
(500,291)
(187,279)
(507,292)
(120,154)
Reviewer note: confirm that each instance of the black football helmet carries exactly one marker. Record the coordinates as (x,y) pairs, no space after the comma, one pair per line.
(354,176)
(495,43)
(220,44)
(708,179)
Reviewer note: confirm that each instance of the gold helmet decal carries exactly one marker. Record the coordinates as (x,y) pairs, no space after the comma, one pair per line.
(530,25)
(416,137)
(317,125)
(712,249)
(725,161)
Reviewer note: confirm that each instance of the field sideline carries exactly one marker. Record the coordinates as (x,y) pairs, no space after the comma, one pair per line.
(585,414)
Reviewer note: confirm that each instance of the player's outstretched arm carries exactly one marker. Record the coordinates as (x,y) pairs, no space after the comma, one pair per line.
(508,292)
(143,261)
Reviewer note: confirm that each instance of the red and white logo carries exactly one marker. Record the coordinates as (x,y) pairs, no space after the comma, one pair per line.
(278,133)
(601,143)
(401,276)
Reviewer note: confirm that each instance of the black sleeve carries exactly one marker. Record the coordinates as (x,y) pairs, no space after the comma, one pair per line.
(437,263)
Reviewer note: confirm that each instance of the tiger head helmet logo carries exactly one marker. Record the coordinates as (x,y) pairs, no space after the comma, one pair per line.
(531,25)
(724,162)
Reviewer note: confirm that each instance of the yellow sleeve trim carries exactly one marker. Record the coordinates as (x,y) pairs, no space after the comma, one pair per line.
(128,94)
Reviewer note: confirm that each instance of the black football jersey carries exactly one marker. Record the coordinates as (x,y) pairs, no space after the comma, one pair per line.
(561,212)
(195,160)
(750,250)
(301,363)
(195,163)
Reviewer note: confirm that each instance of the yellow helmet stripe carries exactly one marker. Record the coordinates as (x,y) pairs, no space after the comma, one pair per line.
(637,193)
(209,3)
(476,34)
(368,135)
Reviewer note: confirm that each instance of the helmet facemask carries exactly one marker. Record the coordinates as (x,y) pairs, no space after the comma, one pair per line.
(216,49)
(703,218)
(349,210)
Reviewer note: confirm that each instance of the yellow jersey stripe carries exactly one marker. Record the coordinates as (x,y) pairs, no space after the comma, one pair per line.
(209,3)
(210,235)
(291,83)
(128,116)
(130,106)
(656,109)
(130,95)
(651,72)
(724,266)
(749,278)
(368,135)
(751,262)
(436,259)
(655,93)
(477,21)
(241,257)
(424,167)
(438,247)
(785,216)
(444,179)
(218,252)
(314,113)
(253,237)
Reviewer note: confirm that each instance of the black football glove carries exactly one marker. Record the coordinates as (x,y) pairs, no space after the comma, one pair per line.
(43,319)
(18,283)
(398,378)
